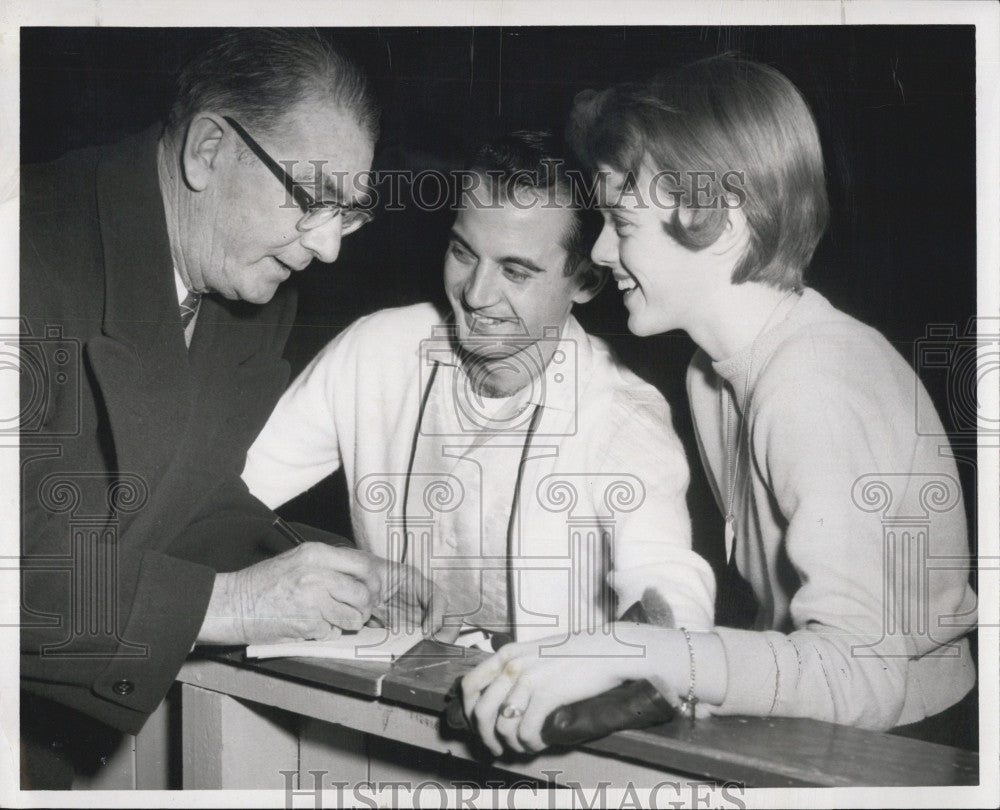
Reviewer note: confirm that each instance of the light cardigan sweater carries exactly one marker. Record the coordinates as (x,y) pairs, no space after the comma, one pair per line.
(838,526)
(604,467)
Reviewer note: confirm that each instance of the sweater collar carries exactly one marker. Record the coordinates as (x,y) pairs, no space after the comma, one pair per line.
(742,369)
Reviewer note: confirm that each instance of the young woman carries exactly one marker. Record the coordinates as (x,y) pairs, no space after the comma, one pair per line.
(714,200)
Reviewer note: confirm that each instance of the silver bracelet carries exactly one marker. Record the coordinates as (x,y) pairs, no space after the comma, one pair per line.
(687,707)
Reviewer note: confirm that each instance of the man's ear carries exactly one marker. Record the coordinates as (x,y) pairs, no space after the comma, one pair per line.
(592,280)
(201,149)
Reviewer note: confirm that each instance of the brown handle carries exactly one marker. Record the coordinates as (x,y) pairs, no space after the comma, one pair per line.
(633,704)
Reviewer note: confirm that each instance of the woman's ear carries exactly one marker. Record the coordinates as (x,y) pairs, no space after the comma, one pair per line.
(200,151)
(735,234)
(592,280)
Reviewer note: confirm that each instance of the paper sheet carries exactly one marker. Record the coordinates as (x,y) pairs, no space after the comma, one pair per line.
(370,643)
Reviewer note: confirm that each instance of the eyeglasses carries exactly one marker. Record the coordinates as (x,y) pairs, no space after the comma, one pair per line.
(314,212)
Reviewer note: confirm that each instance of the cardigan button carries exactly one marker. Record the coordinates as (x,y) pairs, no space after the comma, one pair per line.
(123,688)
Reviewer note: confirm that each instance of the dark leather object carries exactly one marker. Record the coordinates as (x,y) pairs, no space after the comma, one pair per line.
(633,704)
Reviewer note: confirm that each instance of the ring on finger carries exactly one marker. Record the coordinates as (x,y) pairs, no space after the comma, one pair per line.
(510,712)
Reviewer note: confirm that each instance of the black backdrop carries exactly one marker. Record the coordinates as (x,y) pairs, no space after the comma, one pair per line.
(895,107)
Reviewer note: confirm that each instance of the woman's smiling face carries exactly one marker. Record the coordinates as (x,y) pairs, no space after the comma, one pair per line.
(663,283)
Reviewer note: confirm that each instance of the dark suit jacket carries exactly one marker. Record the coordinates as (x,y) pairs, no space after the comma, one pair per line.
(132,446)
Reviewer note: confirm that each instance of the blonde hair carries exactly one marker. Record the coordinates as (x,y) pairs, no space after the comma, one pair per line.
(719,118)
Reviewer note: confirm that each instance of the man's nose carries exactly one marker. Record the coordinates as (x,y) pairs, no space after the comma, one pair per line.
(605,249)
(324,240)
(480,287)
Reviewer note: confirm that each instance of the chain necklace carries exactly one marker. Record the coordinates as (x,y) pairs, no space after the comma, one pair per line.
(734,455)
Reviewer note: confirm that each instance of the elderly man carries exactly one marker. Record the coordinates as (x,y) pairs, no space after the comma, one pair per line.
(149,278)
(505,452)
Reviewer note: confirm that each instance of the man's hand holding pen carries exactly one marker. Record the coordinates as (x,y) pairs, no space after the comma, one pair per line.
(410,603)
(312,591)
(317,591)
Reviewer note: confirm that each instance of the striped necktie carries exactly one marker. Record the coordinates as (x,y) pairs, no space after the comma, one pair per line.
(189,308)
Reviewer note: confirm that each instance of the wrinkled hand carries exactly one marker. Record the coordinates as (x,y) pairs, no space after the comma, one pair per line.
(410,602)
(313,591)
(533,685)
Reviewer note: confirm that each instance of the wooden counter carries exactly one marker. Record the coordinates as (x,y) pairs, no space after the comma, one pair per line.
(244,722)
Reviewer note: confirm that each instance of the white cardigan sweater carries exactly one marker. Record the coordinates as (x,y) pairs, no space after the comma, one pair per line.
(603,435)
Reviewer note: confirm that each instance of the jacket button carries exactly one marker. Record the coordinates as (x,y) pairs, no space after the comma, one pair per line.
(123,688)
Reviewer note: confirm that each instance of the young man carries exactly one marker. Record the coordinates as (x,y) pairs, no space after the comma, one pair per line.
(502,450)
(804,416)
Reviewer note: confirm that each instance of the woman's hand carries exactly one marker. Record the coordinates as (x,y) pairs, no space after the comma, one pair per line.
(508,696)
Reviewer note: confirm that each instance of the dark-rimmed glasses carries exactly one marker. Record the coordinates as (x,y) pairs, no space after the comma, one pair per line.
(314,212)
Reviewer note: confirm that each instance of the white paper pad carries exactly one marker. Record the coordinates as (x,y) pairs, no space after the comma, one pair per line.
(370,643)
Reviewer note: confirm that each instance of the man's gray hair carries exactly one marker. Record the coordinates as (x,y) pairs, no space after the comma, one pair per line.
(257,75)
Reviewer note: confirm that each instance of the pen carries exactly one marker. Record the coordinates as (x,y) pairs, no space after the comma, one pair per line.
(288,532)
(292,536)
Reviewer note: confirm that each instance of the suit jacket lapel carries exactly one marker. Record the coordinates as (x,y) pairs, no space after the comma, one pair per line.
(181,420)
(140,361)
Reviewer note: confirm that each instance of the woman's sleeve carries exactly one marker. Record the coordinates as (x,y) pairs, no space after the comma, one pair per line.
(845,659)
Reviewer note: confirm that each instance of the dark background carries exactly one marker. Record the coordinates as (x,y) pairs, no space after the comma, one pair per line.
(895,107)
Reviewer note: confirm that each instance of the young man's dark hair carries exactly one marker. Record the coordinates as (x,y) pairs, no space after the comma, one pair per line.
(539,161)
